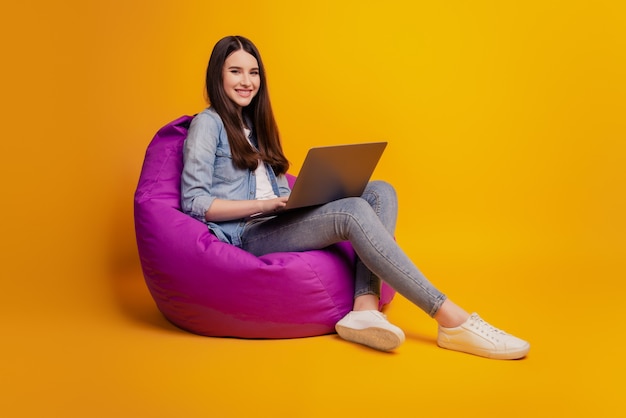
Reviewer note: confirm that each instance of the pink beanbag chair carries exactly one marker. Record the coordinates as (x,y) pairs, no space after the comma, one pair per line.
(213,288)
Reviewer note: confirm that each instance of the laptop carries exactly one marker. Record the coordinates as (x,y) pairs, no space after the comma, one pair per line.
(334,172)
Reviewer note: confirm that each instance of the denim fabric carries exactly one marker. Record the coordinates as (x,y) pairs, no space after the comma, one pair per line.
(209,174)
(368,223)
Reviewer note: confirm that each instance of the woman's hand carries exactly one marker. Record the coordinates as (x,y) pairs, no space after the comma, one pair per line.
(227,210)
(273,205)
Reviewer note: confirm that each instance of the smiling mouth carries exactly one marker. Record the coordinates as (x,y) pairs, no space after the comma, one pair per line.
(244,93)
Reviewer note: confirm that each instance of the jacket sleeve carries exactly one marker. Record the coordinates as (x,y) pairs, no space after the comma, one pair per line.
(283,185)
(199,152)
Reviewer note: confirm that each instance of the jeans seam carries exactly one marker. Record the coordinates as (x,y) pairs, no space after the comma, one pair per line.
(382,254)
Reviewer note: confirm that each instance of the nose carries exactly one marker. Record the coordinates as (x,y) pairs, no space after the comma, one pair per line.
(245,80)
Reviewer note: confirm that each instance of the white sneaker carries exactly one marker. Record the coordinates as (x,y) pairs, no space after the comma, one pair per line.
(475,336)
(370,328)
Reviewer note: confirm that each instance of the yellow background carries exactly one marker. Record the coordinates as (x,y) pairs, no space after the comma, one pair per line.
(506,130)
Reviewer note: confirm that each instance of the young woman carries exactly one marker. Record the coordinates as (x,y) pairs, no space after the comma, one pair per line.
(234,167)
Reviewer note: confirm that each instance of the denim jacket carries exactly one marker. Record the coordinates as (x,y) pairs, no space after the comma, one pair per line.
(209,174)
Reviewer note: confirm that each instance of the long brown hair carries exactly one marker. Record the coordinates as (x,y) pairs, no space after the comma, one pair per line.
(259,111)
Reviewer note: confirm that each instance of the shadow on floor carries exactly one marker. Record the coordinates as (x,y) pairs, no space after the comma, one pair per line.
(131,295)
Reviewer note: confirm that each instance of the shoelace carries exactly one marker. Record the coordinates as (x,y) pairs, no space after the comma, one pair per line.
(485,328)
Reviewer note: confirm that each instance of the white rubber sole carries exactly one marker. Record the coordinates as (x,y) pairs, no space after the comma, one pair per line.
(374,337)
(508,355)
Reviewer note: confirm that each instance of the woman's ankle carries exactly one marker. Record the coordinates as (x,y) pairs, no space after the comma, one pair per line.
(367,302)
(451,315)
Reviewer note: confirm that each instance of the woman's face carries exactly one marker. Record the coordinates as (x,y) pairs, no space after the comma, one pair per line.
(241,77)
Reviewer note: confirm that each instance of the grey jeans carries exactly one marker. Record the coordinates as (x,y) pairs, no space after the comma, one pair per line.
(368,222)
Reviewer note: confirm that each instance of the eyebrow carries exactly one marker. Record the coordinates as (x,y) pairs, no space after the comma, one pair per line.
(234,67)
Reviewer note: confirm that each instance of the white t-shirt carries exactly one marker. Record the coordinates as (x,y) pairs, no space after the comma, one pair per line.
(263,186)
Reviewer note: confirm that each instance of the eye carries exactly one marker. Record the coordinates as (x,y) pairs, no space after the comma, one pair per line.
(234,71)
(254,72)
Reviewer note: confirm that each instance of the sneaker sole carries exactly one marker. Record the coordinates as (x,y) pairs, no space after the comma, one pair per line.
(509,355)
(377,338)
